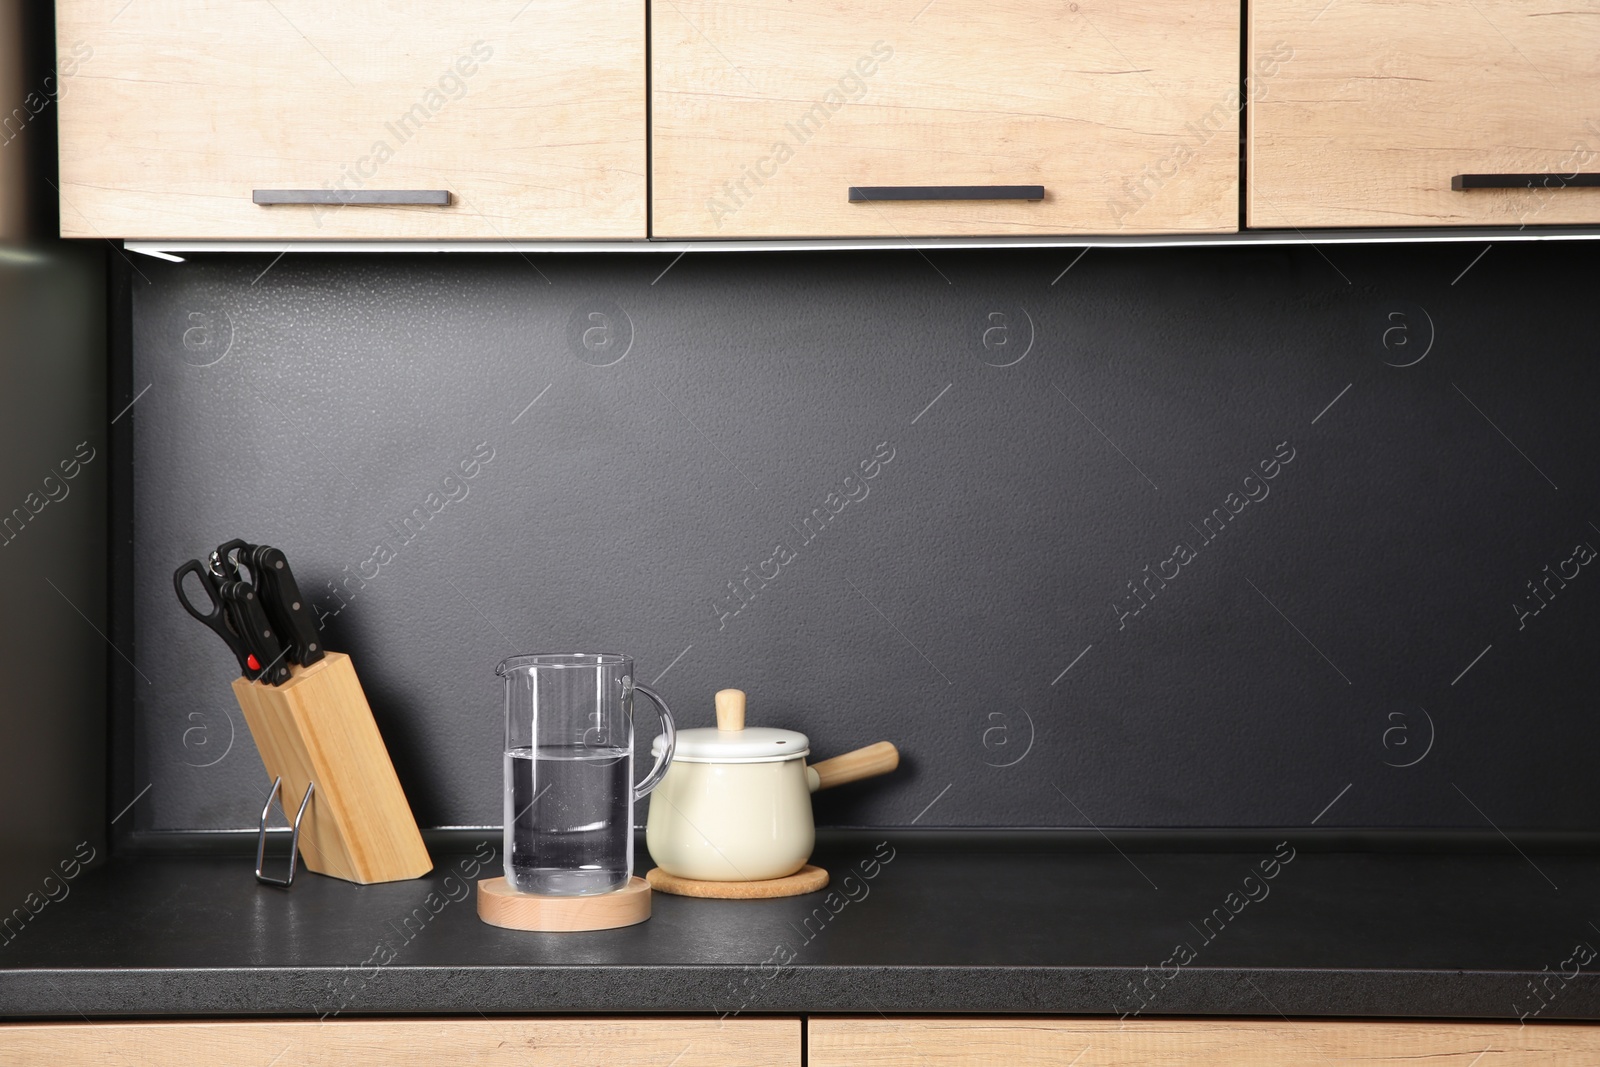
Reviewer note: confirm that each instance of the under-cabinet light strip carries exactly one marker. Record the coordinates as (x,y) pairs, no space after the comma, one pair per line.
(166,249)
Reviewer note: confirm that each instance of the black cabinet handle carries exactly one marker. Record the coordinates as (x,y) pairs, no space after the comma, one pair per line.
(1462,182)
(860,194)
(414,197)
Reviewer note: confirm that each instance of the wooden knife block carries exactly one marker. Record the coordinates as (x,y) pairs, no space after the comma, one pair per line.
(317,727)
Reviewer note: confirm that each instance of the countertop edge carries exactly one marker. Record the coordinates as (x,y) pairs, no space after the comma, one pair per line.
(732,990)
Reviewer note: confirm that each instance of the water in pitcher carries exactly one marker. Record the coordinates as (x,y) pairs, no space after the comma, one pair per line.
(568,810)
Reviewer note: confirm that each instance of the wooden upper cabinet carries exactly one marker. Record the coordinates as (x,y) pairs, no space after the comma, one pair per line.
(765,115)
(530,114)
(1372,107)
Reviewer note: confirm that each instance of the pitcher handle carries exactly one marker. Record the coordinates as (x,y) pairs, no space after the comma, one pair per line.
(668,731)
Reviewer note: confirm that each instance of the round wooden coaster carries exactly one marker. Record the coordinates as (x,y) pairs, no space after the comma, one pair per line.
(807,879)
(500,905)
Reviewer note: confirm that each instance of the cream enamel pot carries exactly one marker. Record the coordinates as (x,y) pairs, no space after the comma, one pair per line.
(735,805)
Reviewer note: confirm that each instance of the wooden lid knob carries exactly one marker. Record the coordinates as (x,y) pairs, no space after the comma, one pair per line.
(730,710)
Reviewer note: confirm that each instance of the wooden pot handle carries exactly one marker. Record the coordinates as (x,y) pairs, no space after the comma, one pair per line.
(868,762)
(730,710)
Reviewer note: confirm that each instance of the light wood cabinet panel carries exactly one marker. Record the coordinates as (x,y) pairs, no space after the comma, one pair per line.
(1374,106)
(976,1042)
(531,115)
(765,114)
(479,1042)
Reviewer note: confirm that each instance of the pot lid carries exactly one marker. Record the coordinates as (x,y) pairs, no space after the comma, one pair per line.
(757,744)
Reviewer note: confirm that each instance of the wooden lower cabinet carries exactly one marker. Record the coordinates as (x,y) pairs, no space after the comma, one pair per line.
(556,1042)
(1054,1042)
(844,1041)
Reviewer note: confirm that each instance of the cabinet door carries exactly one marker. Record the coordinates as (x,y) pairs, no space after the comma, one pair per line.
(479,1042)
(766,115)
(1374,106)
(504,118)
(970,1042)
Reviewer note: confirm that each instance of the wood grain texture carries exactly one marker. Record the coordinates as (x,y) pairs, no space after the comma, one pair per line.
(765,114)
(534,119)
(318,727)
(1055,1042)
(500,905)
(1383,101)
(948,1042)
(555,1042)
(868,762)
(730,705)
(807,879)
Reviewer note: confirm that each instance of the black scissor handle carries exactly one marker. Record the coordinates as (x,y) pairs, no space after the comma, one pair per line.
(224,567)
(208,583)
(217,617)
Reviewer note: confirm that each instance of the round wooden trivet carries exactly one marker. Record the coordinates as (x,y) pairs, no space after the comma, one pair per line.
(807,879)
(500,905)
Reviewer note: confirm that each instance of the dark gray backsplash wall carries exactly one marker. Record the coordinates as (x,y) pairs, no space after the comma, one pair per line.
(1345,628)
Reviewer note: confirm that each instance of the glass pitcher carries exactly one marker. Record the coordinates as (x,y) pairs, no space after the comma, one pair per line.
(569,788)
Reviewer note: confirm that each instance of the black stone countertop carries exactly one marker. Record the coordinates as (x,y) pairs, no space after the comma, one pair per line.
(1018,925)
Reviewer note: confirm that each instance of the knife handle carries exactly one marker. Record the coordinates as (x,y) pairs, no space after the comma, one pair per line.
(297,625)
(251,620)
